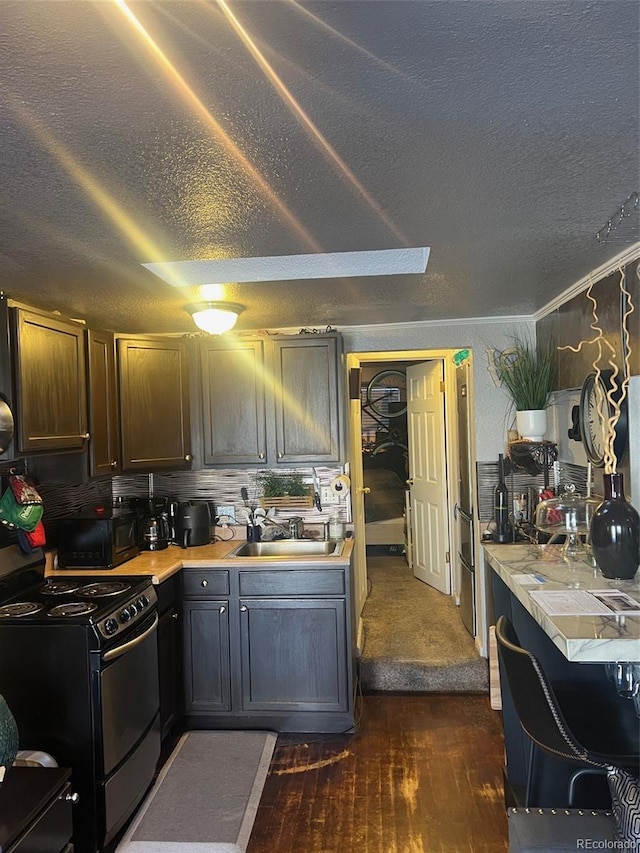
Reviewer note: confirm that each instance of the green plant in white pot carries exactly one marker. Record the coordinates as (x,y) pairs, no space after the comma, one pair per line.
(526,371)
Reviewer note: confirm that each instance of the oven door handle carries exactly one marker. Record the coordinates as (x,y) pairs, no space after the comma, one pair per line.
(112,654)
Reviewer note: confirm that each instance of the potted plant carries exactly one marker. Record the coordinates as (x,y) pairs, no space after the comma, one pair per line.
(525,369)
(284,489)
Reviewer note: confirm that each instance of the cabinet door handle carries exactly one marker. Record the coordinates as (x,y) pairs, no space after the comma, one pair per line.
(223,609)
(87,436)
(174,615)
(280,454)
(243,609)
(114,463)
(260,455)
(71,798)
(188,457)
(366,490)
(204,583)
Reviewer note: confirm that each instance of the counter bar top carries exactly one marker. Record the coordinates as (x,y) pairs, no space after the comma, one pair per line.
(582,639)
(160,565)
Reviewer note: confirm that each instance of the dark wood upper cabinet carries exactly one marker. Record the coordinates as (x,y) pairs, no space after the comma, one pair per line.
(50,382)
(233,401)
(270,402)
(104,442)
(154,404)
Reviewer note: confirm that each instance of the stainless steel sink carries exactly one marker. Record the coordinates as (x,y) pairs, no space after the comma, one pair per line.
(289,548)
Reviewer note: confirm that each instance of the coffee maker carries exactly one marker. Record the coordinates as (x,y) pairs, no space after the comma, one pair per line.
(155,533)
(154,523)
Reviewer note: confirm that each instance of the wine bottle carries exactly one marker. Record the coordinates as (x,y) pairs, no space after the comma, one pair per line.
(502,532)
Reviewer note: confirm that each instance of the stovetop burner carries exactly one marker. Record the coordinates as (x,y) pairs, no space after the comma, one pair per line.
(20,608)
(103,589)
(53,587)
(72,608)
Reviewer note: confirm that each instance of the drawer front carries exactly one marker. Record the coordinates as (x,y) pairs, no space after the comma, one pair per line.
(52,832)
(204,582)
(292,582)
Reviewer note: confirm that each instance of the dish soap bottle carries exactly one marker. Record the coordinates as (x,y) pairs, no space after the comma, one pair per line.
(336,528)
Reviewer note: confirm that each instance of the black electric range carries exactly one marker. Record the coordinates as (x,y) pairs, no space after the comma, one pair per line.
(79,671)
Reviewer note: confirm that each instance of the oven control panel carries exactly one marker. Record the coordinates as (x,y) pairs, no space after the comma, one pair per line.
(126,615)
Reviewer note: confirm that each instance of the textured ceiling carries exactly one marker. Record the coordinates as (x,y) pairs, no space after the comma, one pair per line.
(501,134)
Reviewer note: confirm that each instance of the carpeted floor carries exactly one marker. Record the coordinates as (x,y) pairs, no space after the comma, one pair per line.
(414,639)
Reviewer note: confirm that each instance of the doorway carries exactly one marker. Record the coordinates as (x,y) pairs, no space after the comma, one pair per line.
(362,368)
(385,455)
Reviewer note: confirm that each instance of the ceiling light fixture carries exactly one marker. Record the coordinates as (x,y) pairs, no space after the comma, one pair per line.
(214,317)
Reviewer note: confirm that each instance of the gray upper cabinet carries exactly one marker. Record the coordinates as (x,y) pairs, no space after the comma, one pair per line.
(50,382)
(104,442)
(271,401)
(233,401)
(154,404)
(307,419)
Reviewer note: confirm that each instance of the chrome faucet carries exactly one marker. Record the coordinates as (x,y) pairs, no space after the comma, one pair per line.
(294,526)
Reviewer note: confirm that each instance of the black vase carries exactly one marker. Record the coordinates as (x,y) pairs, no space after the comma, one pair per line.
(615,532)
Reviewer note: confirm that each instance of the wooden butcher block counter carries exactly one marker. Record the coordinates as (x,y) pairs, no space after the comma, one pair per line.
(161,565)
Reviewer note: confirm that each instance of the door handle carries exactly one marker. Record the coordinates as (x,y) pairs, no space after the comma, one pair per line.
(112,654)
(365,490)
(409,482)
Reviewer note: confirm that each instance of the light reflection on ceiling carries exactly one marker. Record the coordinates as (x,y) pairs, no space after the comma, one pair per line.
(503,134)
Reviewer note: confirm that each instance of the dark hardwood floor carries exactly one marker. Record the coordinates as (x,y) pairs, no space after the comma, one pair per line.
(423,774)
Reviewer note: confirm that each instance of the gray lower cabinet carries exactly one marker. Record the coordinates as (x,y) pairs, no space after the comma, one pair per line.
(268,648)
(169,653)
(206,641)
(207,682)
(293,655)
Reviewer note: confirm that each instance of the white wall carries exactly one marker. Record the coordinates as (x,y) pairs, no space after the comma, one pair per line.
(491,404)
(632,489)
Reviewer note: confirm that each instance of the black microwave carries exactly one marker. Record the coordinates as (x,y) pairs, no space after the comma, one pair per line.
(98,538)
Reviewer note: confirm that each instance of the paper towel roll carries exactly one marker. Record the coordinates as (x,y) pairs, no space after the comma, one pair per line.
(340,485)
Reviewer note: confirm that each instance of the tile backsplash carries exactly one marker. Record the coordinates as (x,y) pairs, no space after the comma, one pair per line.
(518,481)
(219,486)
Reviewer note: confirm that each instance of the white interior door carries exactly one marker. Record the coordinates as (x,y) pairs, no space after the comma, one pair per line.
(428,474)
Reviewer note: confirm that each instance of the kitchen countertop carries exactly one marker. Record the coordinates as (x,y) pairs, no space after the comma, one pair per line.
(583,639)
(161,565)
